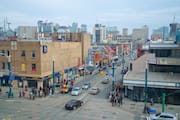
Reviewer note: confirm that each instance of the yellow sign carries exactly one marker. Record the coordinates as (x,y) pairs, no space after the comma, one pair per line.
(62,72)
(23,67)
(101,74)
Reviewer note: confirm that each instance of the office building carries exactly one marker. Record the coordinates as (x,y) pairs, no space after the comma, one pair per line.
(27,32)
(99,33)
(140,33)
(160,33)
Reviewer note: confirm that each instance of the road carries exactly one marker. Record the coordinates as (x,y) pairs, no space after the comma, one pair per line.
(96,107)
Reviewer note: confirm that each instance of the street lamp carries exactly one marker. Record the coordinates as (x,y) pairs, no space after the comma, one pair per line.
(9,69)
(113,72)
(53,75)
(145,87)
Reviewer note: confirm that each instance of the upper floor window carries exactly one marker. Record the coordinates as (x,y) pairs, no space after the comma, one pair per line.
(3,65)
(23,53)
(8,53)
(2,53)
(33,67)
(33,54)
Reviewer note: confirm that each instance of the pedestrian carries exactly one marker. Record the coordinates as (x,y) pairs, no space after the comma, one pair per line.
(152,101)
(23,93)
(20,92)
(113,100)
(119,101)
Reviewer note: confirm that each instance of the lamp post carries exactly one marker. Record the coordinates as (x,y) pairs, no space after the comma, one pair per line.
(9,69)
(53,75)
(145,87)
(113,72)
(163,101)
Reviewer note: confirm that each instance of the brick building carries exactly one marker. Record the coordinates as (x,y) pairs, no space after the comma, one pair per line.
(32,61)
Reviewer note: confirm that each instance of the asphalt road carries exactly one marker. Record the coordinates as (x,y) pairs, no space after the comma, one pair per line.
(96,107)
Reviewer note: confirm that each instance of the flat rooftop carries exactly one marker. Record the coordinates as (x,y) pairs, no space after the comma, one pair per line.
(155,79)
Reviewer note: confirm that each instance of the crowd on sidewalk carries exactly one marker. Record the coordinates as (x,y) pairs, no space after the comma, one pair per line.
(32,93)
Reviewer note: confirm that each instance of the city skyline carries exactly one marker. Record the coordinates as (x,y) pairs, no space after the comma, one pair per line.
(123,14)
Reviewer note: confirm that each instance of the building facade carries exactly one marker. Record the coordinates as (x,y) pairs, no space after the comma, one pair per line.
(32,61)
(162,63)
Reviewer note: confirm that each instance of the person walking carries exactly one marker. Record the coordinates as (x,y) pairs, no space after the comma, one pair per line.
(152,101)
(113,99)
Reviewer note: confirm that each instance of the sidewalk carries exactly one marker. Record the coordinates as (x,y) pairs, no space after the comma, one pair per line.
(4,94)
(138,107)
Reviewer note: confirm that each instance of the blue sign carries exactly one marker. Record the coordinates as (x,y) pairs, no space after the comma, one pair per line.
(45,48)
(12,77)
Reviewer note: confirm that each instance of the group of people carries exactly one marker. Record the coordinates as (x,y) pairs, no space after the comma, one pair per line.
(116,97)
(33,93)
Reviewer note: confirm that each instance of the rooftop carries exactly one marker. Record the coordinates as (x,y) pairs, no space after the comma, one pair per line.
(154,79)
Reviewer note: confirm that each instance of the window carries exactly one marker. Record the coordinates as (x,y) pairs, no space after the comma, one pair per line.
(8,53)
(3,65)
(33,67)
(23,67)
(23,53)
(33,54)
(3,53)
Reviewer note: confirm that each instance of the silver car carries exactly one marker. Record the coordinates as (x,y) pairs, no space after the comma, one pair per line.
(86,85)
(76,91)
(94,91)
(162,116)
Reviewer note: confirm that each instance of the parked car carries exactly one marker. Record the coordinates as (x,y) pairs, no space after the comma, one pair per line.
(73,104)
(94,91)
(86,85)
(105,80)
(76,91)
(162,116)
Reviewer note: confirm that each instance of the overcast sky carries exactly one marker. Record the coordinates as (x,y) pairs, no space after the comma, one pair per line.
(121,13)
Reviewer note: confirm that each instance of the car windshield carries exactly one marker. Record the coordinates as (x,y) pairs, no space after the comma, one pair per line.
(86,84)
(72,101)
(94,88)
(75,89)
(158,114)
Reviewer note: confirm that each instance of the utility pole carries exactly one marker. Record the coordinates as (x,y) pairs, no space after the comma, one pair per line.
(53,75)
(145,88)
(163,101)
(113,72)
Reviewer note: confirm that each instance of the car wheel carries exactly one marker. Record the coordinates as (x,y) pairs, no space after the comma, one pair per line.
(81,104)
(74,107)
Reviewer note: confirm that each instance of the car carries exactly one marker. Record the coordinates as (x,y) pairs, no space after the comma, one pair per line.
(73,104)
(105,80)
(76,91)
(65,89)
(94,91)
(86,85)
(163,116)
